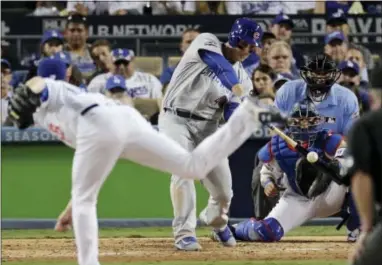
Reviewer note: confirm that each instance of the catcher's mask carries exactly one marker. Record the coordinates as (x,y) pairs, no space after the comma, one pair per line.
(320,73)
(304,123)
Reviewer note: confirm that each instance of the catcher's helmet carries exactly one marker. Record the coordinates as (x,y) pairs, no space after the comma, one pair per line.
(320,73)
(304,122)
(245,29)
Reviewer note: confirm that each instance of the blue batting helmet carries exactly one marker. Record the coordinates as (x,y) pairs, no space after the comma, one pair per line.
(245,29)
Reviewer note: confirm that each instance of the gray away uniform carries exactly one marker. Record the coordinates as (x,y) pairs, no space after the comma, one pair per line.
(193,89)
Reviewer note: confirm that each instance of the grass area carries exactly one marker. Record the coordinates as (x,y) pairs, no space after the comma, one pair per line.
(158,232)
(310,262)
(36,184)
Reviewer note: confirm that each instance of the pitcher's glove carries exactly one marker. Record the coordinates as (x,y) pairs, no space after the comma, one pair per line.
(22,105)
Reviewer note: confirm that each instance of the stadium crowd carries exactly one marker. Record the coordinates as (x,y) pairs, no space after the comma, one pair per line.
(91,65)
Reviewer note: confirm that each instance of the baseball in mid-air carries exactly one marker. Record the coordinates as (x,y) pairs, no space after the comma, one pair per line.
(312,157)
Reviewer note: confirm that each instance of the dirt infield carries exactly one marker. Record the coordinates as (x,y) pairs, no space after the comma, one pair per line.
(161,249)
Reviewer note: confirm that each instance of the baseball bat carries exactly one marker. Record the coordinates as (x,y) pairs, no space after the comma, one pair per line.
(319,164)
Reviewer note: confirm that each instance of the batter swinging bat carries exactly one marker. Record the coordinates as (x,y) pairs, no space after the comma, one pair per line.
(319,163)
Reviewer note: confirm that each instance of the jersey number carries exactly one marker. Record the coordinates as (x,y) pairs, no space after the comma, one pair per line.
(57,131)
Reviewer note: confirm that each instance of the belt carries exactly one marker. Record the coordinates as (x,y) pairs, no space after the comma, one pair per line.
(86,110)
(185,114)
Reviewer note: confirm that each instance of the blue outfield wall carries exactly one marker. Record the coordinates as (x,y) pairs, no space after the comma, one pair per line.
(130,223)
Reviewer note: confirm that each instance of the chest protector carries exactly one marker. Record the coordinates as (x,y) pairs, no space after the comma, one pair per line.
(287,157)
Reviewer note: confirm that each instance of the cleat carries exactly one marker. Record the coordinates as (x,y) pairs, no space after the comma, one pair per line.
(224,236)
(188,244)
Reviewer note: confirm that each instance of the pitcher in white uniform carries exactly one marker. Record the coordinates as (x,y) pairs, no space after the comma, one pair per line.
(102,131)
(203,81)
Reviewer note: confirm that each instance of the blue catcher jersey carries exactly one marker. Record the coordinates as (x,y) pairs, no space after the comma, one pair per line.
(286,157)
(340,108)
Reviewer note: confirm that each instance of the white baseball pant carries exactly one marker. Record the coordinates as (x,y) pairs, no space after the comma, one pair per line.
(107,133)
(189,133)
(293,210)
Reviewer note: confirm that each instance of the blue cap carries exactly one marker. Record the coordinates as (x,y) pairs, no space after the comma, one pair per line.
(283,19)
(349,65)
(337,18)
(116,81)
(52,68)
(63,56)
(336,35)
(122,55)
(7,63)
(50,35)
(245,29)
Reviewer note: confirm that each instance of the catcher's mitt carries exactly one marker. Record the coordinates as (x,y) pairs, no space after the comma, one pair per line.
(310,180)
(22,105)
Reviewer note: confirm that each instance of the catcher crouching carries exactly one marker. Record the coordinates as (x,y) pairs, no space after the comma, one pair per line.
(308,193)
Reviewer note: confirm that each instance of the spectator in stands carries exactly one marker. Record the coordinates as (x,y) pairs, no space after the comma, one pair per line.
(6,71)
(336,46)
(46,8)
(117,90)
(52,42)
(76,34)
(280,59)
(187,37)
(166,7)
(6,90)
(262,80)
(337,21)
(73,74)
(282,27)
(330,7)
(212,7)
(101,54)
(354,53)
(144,88)
(121,8)
(267,40)
(265,7)
(86,8)
(351,78)
(305,7)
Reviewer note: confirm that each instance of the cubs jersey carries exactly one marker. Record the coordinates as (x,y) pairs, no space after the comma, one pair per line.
(139,85)
(61,106)
(194,86)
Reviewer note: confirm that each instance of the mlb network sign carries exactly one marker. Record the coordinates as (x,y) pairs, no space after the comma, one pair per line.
(124,30)
(364,29)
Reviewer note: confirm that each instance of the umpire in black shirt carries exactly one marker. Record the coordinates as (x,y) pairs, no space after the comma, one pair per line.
(365,146)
